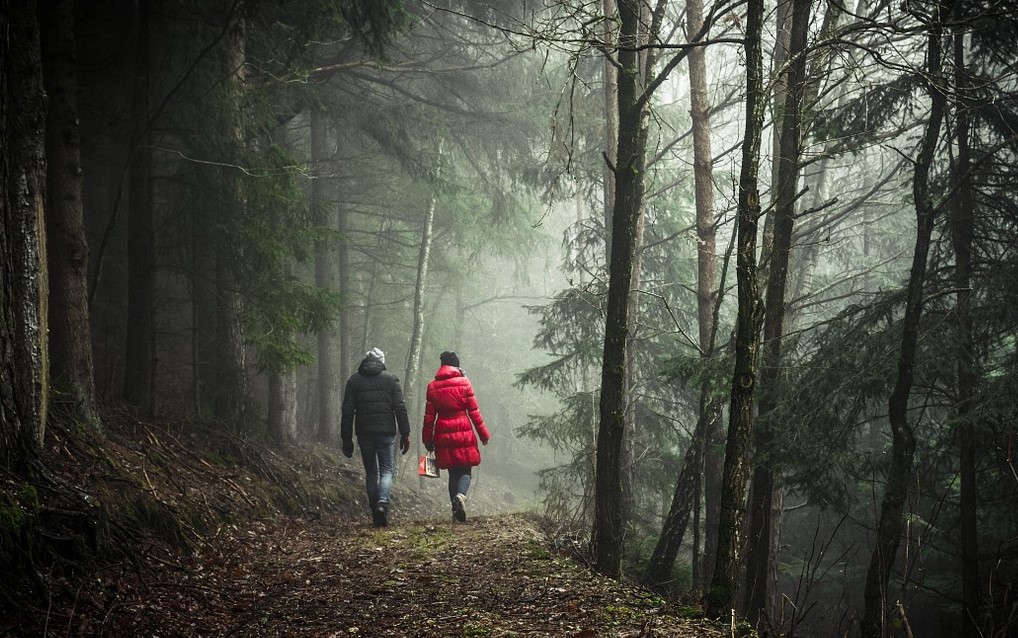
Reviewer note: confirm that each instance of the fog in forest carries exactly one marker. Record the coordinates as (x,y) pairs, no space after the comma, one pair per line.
(655,234)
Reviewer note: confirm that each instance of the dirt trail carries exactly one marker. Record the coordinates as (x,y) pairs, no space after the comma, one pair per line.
(310,564)
(496,576)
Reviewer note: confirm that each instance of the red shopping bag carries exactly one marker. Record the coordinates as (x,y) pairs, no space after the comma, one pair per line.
(427,465)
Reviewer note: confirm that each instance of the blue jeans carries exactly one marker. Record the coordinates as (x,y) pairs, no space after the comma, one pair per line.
(459,481)
(377,452)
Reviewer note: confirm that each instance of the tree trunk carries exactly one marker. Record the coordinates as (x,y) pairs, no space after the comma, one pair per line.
(330,379)
(232,386)
(611,118)
(413,357)
(658,574)
(962,230)
(72,372)
(24,383)
(686,495)
(345,289)
(282,406)
(761,525)
(720,598)
(892,506)
(138,367)
(629,193)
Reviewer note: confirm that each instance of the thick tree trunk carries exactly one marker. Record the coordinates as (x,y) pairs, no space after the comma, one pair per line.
(72,372)
(609,520)
(899,470)
(138,367)
(330,380)
(720,598)
(761,525)
(23,312)
(962,231)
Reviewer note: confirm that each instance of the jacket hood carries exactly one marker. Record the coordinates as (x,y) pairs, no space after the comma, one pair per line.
(448,372)
(371,367)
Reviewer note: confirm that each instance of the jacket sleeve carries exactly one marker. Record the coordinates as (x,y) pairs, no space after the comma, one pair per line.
(399,408)
(428,431)
(346,425)
(475,414)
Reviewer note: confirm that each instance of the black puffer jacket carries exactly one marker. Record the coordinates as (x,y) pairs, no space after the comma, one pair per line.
(373,401)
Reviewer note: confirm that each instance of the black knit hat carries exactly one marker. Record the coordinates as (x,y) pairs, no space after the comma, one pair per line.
(449,359)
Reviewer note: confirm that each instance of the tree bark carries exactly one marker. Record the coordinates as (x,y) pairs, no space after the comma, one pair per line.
(413,357)
(611,118)
(23,284)
(764,481)
(629,172)
(962,229)
(720,598)
(658,575)
(138,365)
(72,372)
(899,470)
(330,379)
(282,406)
(700,454)
(232,385)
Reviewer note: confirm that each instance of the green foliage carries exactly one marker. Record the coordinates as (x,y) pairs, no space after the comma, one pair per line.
(870,111)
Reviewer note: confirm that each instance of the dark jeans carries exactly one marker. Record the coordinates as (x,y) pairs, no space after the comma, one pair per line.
(459,481)
(377,452)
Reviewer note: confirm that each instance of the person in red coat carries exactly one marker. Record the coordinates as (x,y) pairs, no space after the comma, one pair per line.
(450,418)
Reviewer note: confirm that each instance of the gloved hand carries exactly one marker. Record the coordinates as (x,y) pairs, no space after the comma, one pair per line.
(484,441)
(348,449)
(430,446)
(404,444)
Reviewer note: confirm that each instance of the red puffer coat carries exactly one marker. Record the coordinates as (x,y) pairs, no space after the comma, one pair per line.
(450,418)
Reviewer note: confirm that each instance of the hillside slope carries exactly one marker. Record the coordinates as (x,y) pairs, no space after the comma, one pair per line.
(201,534)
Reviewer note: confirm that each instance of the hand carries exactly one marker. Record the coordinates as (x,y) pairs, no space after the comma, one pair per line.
(348,449)
(404,444)
(430,446)
(484,442)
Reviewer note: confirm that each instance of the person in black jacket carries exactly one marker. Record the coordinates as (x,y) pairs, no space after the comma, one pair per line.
(373,407)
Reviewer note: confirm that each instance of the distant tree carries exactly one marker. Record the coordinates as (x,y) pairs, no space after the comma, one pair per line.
(140,325)
(23,314)
(72,371)
(330,369)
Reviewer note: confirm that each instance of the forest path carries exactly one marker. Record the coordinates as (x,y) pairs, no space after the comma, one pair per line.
(491,576)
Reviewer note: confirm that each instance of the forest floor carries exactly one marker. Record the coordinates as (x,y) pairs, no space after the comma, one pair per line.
(190,533)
